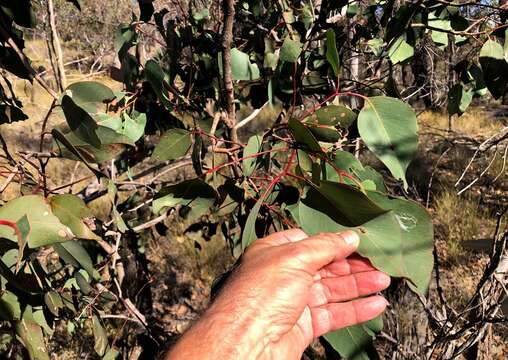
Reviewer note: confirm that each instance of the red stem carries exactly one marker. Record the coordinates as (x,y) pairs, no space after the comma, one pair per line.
(218,167)
(14,226)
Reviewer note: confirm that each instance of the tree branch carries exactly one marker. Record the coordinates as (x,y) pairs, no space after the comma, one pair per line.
(227,41)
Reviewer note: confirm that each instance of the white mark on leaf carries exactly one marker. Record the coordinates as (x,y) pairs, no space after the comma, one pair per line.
(407,222)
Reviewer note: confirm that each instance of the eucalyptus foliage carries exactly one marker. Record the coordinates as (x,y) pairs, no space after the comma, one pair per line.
(299,171)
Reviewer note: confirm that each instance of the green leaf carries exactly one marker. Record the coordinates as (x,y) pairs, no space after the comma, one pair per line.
(351,207)
(303,136)
(335,115)
(195,195)
(10,308)
(376,46)
(73,147)
(417,237)
(241,67)
(24,280)
(388,127)
(31,336)
(495,68)
(133,128)
(304,161)
(400,51)
(290,50)
(475,74)
(174,144)
(73,253)
(332,55)
(99,335)
(459,99)
(324,121)
(201,15)
(398,242)
(54,302)
(40,319)
(390,87)
(325,133)
(83,284)
(45,227)
(91,96)
(440,38)
(352,341)
(159,81)
(80,122)
(253,146)
(347,162)
(73,212)
(249,230)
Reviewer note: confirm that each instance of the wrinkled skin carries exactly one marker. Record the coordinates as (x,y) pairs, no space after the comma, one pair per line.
(288,290)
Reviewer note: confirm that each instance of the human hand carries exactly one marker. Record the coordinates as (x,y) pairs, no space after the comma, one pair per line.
(288,290)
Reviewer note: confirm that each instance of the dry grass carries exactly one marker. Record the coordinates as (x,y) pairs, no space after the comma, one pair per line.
(460,219)
(477,121)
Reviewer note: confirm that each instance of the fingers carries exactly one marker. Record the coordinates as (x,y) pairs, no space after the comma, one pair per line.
(333,317)
(315,252)
(284,237)
(347,287)
(353,264)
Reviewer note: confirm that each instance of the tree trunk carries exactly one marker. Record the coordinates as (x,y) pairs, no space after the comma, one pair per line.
(55,49)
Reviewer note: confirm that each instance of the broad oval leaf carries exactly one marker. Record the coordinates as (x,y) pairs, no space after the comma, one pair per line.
(80,122)
(290,50)
(159,81)
(73,253)
(354,341)
(195,195)
(495,67)
(388,127)
(459,99)
(91,96)
(31,336)
(174,144)
(54,302)
(241,67)
(400,51)
(398,242)
(10,307)
(335,115)
(303,136)
(45,227)
(73,212)
(344,203)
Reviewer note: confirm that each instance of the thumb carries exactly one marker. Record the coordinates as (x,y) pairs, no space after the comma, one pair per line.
(320,250)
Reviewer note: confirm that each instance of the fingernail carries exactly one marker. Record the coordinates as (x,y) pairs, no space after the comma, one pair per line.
(350,237)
